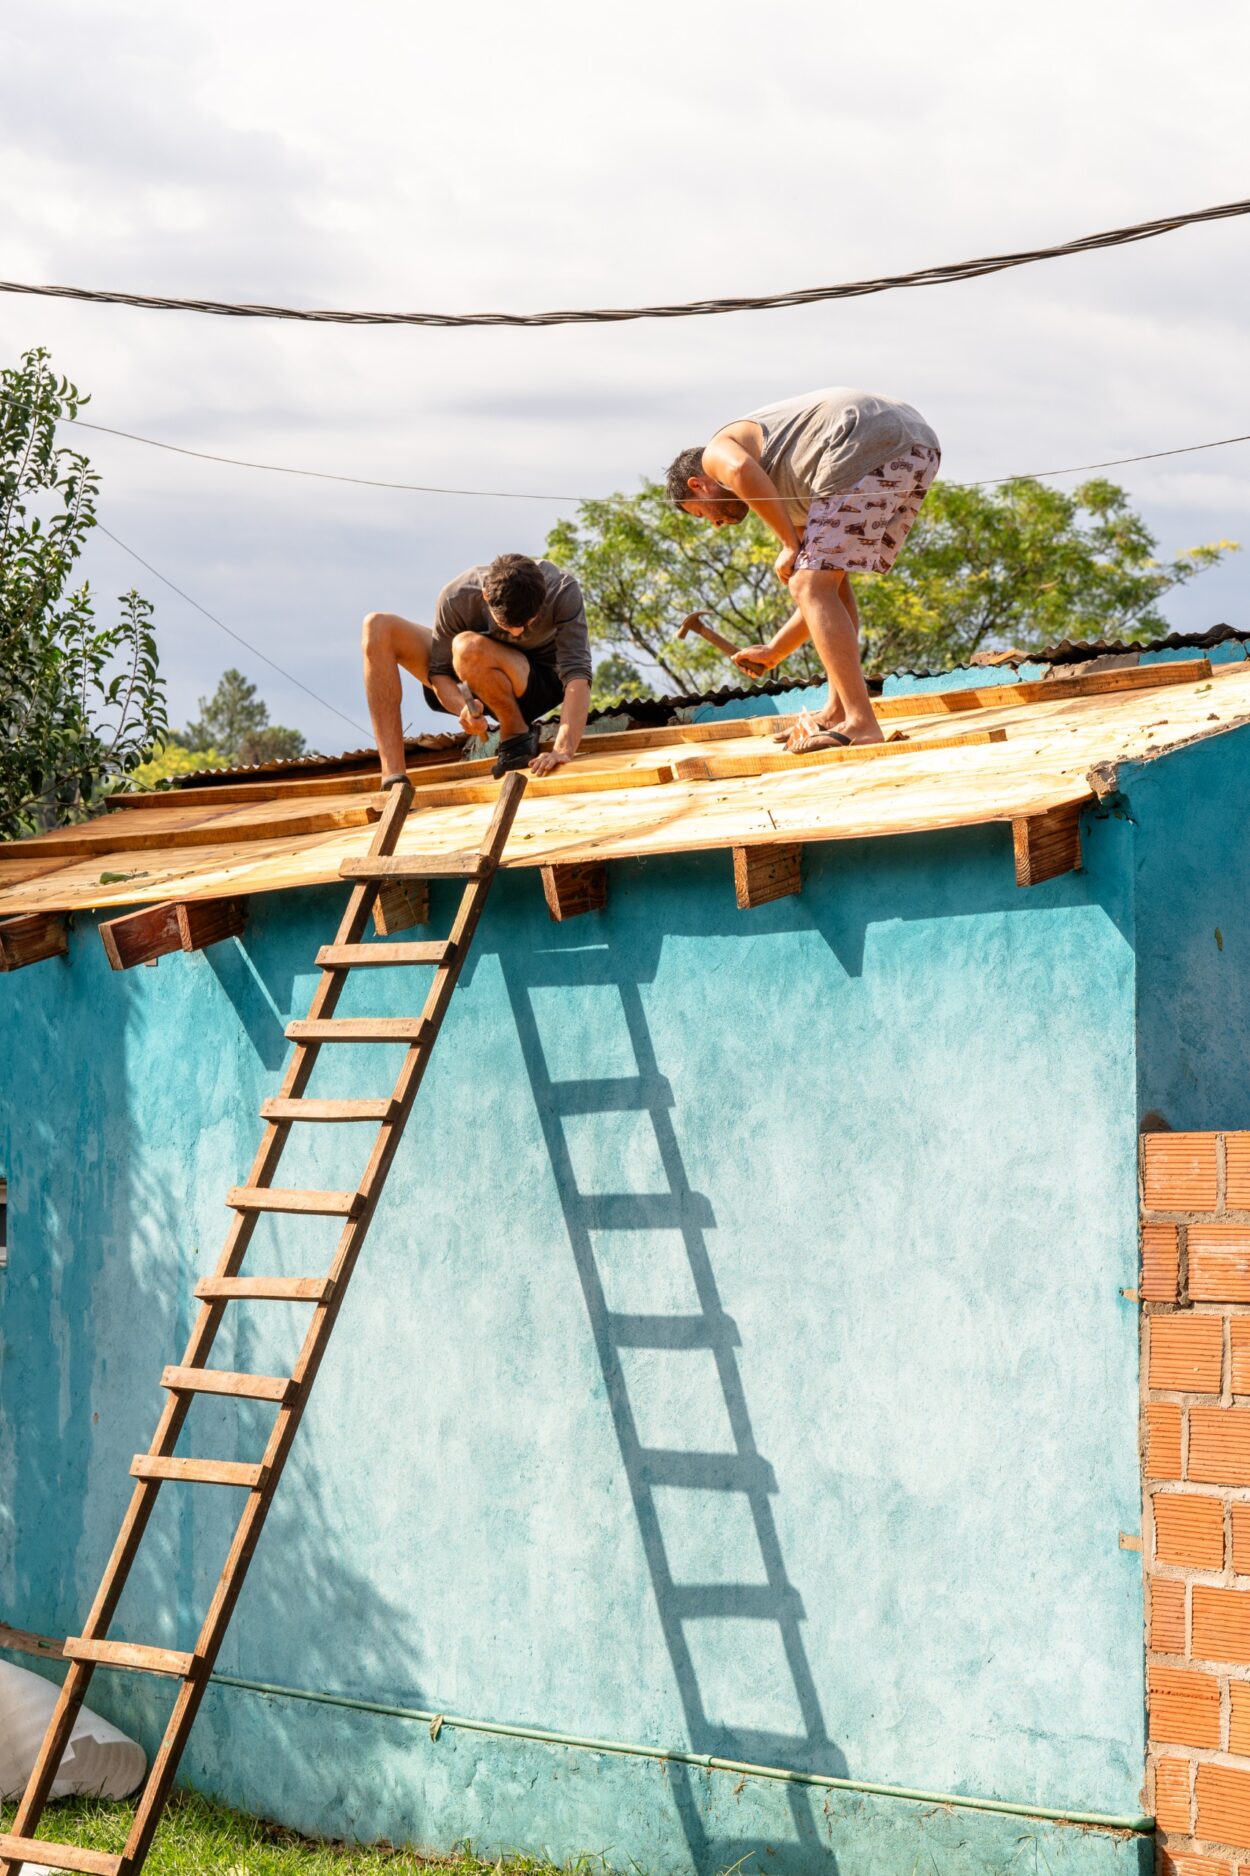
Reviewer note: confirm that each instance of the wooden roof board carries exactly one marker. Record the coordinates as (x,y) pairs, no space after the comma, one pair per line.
(1051,745)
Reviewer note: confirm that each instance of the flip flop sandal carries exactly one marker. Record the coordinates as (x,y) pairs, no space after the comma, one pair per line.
(516,752)
(822,739)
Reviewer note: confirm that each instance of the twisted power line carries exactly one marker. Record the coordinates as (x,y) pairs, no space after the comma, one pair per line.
(683,309)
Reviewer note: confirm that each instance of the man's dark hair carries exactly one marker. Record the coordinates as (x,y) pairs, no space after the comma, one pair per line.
(514,587)
(677,475)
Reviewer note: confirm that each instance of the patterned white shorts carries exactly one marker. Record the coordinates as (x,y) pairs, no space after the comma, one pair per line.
(862,529)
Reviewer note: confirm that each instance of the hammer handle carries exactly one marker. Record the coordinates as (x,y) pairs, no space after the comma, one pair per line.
(718,639)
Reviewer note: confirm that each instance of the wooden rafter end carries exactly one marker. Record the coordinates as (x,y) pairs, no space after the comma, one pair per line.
(31,938)
(179,925)
(1047,844)
(574,889)
(766,872)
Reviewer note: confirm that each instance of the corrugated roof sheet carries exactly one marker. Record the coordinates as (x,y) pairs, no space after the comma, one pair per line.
(652,712)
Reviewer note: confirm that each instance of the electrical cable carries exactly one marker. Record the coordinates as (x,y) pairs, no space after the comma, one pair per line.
(808,296)
(320,475)
(237,636)
(1115,462)
(521,495)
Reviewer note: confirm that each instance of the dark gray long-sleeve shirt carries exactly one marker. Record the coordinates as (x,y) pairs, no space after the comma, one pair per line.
(558,636)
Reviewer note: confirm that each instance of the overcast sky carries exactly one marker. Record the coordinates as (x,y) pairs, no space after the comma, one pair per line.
(498,157)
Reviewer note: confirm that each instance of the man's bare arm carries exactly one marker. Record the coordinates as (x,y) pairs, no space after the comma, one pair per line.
(777,649)
(452,698)
(573,714)
(730,464)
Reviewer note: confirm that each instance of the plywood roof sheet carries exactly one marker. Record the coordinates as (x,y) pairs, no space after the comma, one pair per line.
(673,790)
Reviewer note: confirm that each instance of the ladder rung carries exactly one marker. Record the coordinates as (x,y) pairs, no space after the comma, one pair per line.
(418,866)
(198,1471)
(352,957)
(294,1199)
(42,1851)
(328,1110)
(221,1381)
(357,1029)
(120,1654)
(265,1289)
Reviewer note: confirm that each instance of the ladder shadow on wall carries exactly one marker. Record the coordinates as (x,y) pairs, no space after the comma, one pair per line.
(748,1614)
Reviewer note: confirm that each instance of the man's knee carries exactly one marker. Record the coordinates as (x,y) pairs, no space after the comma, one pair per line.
(375,631)
(470,654)
(810,582)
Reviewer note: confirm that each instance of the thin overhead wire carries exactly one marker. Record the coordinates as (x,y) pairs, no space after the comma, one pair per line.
(1113,462)
(237,636)
(525,495)
(943,275)
(319,475)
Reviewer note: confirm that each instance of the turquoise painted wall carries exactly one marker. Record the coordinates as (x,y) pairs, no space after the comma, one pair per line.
(1189,814)
(663,1409)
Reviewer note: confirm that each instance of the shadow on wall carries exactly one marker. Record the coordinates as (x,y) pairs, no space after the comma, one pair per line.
(615,1236)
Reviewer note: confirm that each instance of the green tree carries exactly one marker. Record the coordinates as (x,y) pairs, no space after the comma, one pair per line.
(81,704)
(234,724)
(1023,564)
(171,759)
(616,677)
(643,565)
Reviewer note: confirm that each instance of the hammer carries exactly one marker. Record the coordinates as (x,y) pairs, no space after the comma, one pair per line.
(693,622)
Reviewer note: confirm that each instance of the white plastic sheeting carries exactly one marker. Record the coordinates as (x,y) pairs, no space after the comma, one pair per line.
(99,1760)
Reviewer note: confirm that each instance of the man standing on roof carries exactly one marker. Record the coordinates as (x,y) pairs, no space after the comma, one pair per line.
(839,477)
(511,639)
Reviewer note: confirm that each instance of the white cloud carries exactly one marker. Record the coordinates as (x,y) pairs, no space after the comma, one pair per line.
(523,158)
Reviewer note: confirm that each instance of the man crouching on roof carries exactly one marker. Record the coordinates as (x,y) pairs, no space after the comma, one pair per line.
(511,639)
(839,477)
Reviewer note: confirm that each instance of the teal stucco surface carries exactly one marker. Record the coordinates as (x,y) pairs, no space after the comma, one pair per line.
(1189,813)
(738,1362)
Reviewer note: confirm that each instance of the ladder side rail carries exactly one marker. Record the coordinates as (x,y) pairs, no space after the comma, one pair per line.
(143,1499)
(299,1070)
(286,1422)
(204,1332)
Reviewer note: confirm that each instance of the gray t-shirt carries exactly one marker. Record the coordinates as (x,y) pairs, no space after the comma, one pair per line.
(822,442)
(558,636)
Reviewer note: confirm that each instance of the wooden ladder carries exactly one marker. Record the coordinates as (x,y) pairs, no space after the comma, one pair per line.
(289,1393)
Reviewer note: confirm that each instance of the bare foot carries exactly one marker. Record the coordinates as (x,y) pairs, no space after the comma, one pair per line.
(866,731)
(808,725)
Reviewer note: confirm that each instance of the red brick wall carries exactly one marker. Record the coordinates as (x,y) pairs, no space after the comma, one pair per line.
(1195,1292)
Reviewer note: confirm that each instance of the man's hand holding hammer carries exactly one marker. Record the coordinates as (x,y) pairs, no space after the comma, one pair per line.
(753,661)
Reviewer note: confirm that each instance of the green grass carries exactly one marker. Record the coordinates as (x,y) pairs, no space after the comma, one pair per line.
(197,1838)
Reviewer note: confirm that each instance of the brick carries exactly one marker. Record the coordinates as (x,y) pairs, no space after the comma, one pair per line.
(1219,1445)
(1167,1616)
(1163,1440)
(1172,1794)
(1160,1264)
(1239,1718)
(1237,1186)
(1184,1865)
(1184,1707)
(1223,1795)
(1189,1530)
(1239,1354)
(1221,1624)
(1219,1263)
(1187,1353)
(1179,1172)
(1241,1539)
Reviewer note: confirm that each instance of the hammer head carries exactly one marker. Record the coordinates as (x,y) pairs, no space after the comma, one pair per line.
(693,622)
